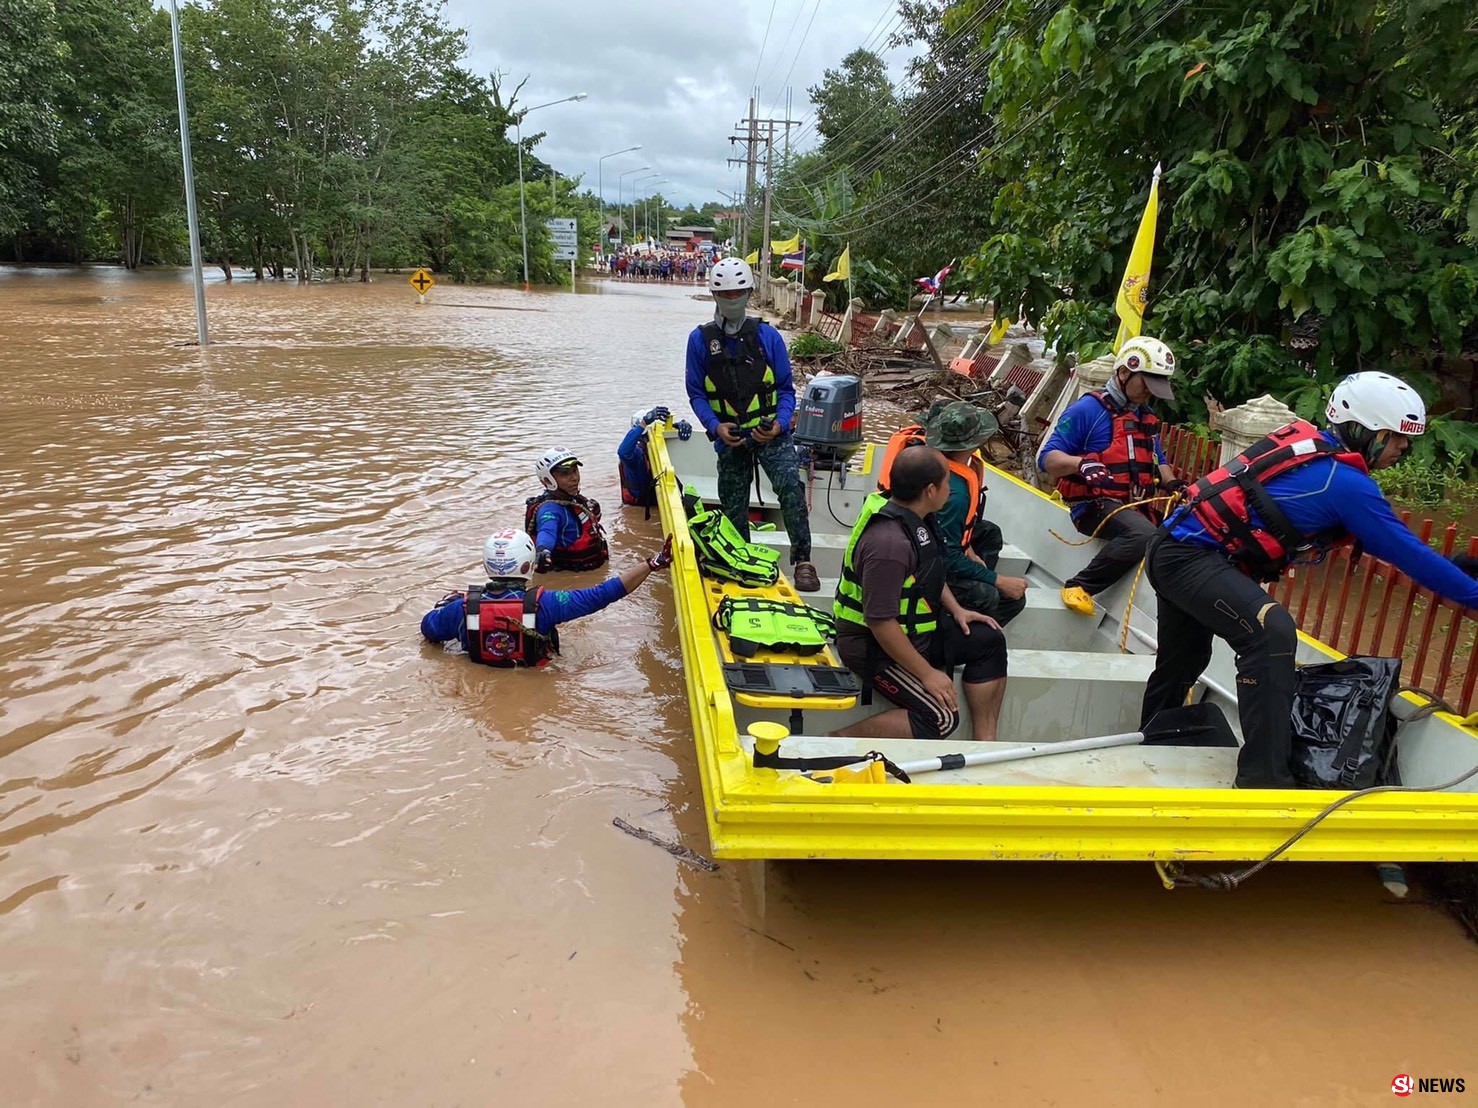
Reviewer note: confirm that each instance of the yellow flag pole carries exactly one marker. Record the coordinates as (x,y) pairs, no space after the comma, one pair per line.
(1134,289)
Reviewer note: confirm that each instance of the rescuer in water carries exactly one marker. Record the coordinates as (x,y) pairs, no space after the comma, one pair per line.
(638,489)
(565,526)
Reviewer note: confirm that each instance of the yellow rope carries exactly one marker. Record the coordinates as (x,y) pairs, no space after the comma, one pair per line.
(1174,499)
(1169,499)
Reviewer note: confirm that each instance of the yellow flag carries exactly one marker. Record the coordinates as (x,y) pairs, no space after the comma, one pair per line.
(1134,291)
(789,246)
(843,270)
(753,259)
(998,331)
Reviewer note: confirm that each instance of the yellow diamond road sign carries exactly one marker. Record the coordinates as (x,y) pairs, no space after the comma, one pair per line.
(421,280)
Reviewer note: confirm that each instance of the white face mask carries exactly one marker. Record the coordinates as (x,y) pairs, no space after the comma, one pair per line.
(731,310)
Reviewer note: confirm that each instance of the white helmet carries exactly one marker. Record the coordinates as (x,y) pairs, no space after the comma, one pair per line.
(731,273)
(1152,358)
(639,416)
(551,460)
(509,555)
(1378,402)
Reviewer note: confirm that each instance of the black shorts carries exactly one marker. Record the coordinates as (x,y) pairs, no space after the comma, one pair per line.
(983,654)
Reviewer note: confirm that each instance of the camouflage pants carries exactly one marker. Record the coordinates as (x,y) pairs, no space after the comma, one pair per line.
(977,595)
(736,475)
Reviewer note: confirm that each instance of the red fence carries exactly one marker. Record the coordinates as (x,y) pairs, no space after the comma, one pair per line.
(1192,456)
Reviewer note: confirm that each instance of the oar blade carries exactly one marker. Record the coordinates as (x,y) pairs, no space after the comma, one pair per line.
(1201,725)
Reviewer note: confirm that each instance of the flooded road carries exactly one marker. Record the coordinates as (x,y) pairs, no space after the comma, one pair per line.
(261,845)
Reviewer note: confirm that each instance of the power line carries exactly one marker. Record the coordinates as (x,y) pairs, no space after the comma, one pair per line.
(798,50)
(801,7)
(763,41)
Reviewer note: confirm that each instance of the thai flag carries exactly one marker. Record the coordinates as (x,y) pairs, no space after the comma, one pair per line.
(796,260)
(933,285)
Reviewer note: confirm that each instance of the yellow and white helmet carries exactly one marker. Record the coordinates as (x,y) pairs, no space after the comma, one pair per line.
(1152,358)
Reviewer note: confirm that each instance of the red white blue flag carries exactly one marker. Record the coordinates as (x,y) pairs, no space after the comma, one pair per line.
(933,285)
(796,260)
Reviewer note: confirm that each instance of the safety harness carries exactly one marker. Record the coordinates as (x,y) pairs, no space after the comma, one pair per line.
(1130,456)
(501,630)
(1225,500)
(755,624)
(922,590)
(740,387)
(913,435)
(722,551)
(589,550)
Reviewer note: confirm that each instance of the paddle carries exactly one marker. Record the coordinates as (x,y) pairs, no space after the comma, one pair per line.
(1199,725)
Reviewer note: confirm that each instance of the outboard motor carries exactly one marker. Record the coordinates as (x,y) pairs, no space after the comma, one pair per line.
(829,420)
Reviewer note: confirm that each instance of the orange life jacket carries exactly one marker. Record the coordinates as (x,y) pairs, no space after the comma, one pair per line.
(1130,457)
(973,474)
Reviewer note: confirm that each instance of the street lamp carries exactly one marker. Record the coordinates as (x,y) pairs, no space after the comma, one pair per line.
(645,221)
(638,169)
(523,216)
(633,195)
(600,187)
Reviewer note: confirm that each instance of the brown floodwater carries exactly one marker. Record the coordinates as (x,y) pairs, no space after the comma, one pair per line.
(261,845)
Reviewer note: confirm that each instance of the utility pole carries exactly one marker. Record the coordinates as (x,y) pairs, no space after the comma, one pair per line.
(193,220)
(751,161)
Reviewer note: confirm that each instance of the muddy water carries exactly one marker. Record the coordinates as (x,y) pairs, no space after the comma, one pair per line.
(260,845)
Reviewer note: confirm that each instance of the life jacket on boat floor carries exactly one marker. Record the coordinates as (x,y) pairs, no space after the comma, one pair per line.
(755,624)
(722,551)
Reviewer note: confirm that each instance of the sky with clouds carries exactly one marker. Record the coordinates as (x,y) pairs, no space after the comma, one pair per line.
(671,76)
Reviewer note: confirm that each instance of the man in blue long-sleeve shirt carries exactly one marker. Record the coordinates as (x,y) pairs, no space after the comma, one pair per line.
(505,623)
(1298,492)
(741,389)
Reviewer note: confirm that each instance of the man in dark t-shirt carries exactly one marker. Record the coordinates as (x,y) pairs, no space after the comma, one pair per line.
(899,626)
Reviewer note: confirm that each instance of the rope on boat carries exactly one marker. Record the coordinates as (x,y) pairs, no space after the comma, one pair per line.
(1173,875)
(1171,499)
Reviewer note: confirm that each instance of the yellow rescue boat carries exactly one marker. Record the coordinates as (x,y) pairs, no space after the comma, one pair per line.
(1068,679)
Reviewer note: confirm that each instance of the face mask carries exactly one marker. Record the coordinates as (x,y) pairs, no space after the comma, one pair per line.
(731,311)
(1116,392)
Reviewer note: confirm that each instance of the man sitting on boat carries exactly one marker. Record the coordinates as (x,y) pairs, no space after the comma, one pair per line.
(1105,453)
(565,525)
(505,623)
(972,543)
(740,386)
(1297,493)
(889,601)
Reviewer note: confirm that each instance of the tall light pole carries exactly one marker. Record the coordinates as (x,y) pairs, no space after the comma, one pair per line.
(619,176)
(634,183)
(600,169)
(645,222)
(190,213)
(523,215)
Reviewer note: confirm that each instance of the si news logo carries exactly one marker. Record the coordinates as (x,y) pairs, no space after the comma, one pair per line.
(1403,1084)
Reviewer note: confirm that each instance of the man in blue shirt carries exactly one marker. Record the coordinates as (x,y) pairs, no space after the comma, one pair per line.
(637,487)
(504,623)
(1105,453)
(740,386)
(565,525)
(1297,493)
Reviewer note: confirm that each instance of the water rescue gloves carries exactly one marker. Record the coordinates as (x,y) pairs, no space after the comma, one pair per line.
(663,558)
(684,430)
(544,561)
(1095,474)
(656,415)
(1176,485)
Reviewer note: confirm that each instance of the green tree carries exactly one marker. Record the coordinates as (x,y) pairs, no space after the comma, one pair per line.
(32,56)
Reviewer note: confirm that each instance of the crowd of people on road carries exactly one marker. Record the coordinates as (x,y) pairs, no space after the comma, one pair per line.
(920,596)
(655,265)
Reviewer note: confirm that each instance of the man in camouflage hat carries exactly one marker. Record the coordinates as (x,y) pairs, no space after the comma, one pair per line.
(972,543)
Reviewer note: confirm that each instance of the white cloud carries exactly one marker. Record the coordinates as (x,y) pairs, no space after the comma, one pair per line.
(674,77)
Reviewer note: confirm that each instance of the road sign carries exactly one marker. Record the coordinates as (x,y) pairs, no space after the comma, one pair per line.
(421,280)
(566,239)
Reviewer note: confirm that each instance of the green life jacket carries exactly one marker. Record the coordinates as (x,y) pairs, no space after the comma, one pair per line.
(722,551)
(756,624)
(922,590)
(740,387)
